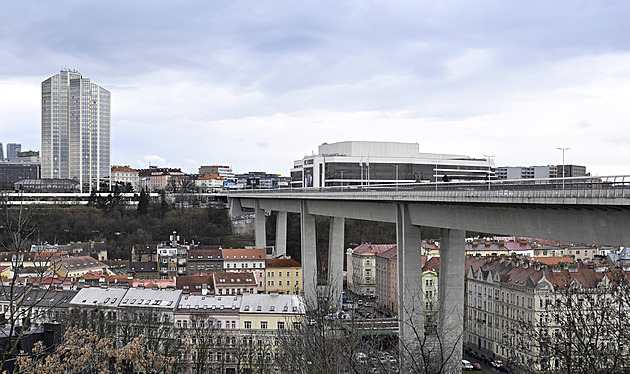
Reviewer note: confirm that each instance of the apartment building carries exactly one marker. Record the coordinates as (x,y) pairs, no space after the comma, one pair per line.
(284,276)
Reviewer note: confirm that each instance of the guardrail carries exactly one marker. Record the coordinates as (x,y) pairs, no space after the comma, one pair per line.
(608,187)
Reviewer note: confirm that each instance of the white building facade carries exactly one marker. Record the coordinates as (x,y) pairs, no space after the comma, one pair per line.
(355,163)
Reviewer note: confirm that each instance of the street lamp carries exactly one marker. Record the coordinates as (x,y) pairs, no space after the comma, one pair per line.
(488,157)
(563,171)
(342,178)
(396,177)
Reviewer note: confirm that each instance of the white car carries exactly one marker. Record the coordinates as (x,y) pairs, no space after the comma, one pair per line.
(466,365)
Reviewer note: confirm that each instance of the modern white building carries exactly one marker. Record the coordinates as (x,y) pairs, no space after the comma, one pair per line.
(365,163)
(76,120)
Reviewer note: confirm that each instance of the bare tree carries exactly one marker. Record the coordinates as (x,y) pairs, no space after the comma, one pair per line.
(577,329)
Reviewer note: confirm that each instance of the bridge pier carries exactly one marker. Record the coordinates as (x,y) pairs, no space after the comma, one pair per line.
(309,256)
(336,237)
(281,234)
(451,297)
(410,294)
(259,226)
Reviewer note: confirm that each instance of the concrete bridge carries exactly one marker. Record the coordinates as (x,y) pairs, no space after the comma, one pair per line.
(588,210)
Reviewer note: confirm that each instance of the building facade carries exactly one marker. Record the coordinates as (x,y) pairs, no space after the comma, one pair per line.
(284,276)
(76,120)
(355,163)
(12,151)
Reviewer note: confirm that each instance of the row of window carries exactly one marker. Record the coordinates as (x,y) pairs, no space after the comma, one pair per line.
(264,325)
(271,274)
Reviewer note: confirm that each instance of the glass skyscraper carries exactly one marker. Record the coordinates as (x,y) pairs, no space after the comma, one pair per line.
(76,120)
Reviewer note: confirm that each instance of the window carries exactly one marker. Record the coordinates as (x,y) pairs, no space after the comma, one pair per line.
(263,325)
(248,324)
(280,325)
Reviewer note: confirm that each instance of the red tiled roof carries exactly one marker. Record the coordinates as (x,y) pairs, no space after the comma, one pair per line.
(190,282)
(372,248)
(206,254)
(243,254)
(211,177)
(225,278)
(123,168)
(390,254)
(282,263)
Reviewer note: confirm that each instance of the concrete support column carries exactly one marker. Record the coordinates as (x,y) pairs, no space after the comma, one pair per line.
(451,297)
(281,234)
(336,237)
(410,295)
(309,256)
(259,226)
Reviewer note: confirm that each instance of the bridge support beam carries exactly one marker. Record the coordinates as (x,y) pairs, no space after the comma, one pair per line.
(410,295)
(309,256)
(451,297)
(281,234)
(259,227)
(335,261)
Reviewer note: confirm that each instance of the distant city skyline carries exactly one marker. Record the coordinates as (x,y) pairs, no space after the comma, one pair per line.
(258,85)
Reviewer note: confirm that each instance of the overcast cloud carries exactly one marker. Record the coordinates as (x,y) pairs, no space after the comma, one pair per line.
(258,84)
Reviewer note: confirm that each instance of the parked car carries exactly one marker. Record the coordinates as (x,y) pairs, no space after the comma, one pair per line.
(477,366)
(497,363)
(504,368)
(466,365)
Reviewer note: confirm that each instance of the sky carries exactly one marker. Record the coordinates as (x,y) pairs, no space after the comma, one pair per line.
(258,84)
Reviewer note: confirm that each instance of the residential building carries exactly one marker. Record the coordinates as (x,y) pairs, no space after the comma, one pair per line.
(144,270)
(235,283)
(172,257)
(124,175)
(41,305)
(386,290)
(284,276)
(74,267)
(144,253)
(365,163)
(195,284)
(76,120)
(154,179)
(205,260)
(363,262)
(12,151)
(246,260)
(482,247)
(98,306)
(509,300)
(210,325)
(210,182)
(261,317)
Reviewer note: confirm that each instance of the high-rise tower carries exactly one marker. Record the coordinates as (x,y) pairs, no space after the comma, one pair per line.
(75,130)
(12,151)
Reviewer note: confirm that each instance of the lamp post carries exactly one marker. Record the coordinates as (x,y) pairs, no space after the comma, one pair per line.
(488,157)
(342,178)
(436,174)
(563,170)
(396,177)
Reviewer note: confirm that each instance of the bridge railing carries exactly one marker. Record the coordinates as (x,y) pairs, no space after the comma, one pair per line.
(575,187)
